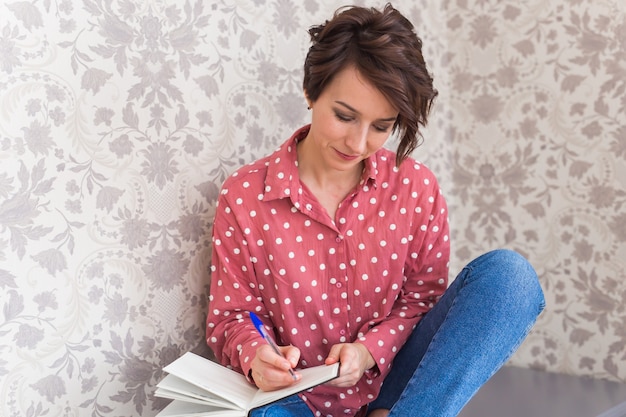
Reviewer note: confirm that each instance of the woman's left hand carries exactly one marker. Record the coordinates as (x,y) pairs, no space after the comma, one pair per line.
(355,359)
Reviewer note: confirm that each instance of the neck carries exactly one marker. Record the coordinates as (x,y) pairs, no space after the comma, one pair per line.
(314,173)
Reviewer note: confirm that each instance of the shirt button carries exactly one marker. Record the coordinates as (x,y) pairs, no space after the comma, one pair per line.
(338,285)
(342,332)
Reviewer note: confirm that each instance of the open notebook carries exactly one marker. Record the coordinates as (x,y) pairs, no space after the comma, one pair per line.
(200,387)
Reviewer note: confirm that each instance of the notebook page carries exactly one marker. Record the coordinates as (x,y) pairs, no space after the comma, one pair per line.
(213,378)
(174,388)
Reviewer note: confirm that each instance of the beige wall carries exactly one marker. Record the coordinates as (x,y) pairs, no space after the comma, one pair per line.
(119,121)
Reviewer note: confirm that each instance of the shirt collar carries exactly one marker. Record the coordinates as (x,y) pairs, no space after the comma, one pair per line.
(283,179)
(369,170)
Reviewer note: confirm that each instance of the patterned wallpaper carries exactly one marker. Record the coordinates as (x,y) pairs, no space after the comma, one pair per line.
(538,131)
(119,120)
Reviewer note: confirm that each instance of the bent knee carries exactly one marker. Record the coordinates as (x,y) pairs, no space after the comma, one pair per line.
(510,275)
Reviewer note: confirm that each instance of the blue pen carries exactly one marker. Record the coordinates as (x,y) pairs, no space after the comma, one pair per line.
(261,329)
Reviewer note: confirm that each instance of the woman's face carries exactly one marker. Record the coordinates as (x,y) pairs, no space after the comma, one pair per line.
(350,120)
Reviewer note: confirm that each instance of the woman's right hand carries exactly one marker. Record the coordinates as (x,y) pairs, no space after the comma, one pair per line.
(270,371)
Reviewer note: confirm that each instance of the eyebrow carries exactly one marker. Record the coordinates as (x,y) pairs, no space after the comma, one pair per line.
(352,109)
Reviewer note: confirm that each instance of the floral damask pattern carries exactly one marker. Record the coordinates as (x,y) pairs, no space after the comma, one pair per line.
(538,164)
(120,119)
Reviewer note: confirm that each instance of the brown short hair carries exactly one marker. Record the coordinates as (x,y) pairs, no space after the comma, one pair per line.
(384,48)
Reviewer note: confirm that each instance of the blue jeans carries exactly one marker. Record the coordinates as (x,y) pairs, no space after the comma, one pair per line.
(475,327)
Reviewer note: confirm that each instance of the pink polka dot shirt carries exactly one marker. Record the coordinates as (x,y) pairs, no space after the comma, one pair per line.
(366,276)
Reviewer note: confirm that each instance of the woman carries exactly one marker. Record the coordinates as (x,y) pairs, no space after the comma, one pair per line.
(341,247)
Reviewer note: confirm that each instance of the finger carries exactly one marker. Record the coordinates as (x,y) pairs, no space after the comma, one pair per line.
(349,375)
(266,354)
(270,379)
(334,354)
(350,370)
(344,381)
(292,354)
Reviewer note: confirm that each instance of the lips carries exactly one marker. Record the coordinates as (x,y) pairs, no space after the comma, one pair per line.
(346,157)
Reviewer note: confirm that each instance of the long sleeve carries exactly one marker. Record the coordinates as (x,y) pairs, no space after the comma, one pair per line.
(234,292)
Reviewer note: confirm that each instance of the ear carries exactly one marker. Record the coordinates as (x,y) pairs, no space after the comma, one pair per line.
(308,100)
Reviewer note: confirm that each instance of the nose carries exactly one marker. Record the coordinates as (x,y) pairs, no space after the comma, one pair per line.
(357,140)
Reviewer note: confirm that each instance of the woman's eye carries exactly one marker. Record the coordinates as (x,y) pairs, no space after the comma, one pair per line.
(343,117)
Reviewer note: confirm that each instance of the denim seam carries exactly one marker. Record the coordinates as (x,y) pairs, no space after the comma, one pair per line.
(462,275)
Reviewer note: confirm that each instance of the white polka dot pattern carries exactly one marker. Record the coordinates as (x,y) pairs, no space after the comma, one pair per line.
(368,275)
